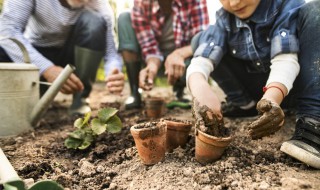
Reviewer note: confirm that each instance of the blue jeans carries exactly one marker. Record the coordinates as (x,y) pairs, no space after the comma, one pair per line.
(242,86)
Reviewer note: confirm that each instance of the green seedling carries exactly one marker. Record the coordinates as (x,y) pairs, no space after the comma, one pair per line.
(87,129)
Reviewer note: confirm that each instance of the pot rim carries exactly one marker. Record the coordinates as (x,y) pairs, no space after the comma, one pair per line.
(154,100)
(203,136)
(161,127)
(178,125)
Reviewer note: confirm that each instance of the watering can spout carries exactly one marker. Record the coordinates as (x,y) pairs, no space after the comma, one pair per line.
(50,94)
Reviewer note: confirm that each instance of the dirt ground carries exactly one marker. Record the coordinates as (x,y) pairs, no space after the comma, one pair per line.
(113,162)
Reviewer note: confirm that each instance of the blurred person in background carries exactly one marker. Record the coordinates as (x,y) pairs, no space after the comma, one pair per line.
(58,32)
(157,33)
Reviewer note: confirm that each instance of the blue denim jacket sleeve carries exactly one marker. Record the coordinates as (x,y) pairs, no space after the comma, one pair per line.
(212,42)
(284,38)
(270,31)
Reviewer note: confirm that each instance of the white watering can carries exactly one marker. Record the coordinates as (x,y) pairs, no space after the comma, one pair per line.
(20,106)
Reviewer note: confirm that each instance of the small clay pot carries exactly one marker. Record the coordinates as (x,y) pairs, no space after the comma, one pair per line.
(209,148)
(150,140)
(154,107)
(177,133)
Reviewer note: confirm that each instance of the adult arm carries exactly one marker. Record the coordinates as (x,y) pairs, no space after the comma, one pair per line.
(13,21)
(142,26)
(14,17)
(174,63)
(199,20)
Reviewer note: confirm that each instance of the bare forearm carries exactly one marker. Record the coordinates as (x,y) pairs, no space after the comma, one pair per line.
(185,51)
(275,92)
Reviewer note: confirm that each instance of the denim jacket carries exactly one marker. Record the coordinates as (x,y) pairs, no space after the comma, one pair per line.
(270,31)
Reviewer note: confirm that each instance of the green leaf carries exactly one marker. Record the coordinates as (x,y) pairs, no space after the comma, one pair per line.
(114,125)
(84,145)
(78,134)
(78,123)
(83,137)
(82,122)
(72,143)
(86,118)
(87,142)
(106,113)
(97,126)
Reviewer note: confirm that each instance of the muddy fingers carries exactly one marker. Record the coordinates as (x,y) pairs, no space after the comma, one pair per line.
(271,120)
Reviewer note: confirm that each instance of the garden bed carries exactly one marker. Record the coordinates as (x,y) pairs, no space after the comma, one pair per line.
(113,162)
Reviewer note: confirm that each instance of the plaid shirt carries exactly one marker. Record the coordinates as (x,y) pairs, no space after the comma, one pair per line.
(189,17)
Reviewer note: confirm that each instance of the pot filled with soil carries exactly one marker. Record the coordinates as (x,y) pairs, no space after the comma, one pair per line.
(154,107)
(150,140)
(177,133)
(212,137)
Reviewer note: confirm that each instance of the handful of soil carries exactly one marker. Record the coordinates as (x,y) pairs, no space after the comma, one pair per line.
(147,83)
(207,121)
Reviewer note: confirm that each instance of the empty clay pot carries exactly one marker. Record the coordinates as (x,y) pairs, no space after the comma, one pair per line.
(209,148)
(177,133)
(150,140)
(154,107)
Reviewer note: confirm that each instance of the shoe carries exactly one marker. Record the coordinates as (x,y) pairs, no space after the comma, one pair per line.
(305,143)
(87,62)
(134,100)
(79,108)
(231,110)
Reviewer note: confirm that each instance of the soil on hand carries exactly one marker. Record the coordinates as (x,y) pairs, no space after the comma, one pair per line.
(208,122)
(112,162)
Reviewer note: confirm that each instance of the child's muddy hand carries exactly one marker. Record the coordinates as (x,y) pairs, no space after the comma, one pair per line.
(271,121)
(205,118)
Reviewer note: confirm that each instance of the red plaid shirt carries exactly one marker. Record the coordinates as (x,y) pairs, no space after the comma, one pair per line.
(189,17)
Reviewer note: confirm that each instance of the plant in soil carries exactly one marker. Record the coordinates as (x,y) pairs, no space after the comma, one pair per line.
(88,129)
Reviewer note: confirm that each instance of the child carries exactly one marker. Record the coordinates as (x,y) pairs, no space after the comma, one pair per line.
(261,46)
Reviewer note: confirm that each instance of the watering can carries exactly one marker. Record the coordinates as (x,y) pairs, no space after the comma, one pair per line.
(20,105)
(9,179)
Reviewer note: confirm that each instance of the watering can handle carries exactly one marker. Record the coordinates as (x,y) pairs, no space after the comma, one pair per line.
(26,57)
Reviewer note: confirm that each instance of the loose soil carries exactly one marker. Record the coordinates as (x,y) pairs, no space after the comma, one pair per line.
(113,162)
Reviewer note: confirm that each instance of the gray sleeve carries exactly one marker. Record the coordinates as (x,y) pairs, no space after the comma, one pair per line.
(13,20)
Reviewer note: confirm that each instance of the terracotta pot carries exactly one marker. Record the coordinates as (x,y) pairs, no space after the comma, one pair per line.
(209,148)
(154,107)
(177,133)
(150,141)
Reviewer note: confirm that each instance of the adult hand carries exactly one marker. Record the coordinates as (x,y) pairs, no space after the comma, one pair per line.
(272,119)
(174,66)
(115,81)
(147,75)
(72,85)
